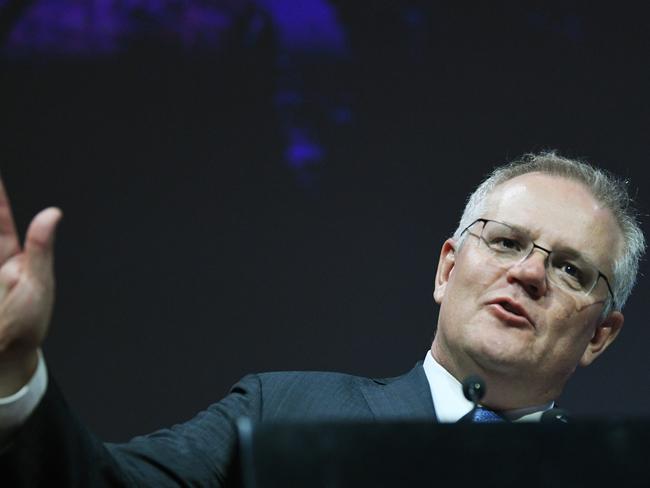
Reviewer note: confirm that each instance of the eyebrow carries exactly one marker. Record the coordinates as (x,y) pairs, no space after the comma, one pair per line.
(564,249)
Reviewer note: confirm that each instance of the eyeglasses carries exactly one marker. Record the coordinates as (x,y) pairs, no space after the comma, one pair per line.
(510,245)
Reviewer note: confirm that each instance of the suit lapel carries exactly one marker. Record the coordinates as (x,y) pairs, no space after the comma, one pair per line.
(406,397)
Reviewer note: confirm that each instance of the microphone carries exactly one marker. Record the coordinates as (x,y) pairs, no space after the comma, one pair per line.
(555,416)
(474,390)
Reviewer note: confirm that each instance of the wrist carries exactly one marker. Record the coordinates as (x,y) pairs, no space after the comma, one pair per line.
(16,370)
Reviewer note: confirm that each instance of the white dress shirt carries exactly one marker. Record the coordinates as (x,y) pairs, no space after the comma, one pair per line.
(451,404)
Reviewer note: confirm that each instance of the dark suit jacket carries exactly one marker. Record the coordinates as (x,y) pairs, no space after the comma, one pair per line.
(54,449)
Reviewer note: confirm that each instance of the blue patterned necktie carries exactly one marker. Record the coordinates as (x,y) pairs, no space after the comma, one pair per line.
(482,415)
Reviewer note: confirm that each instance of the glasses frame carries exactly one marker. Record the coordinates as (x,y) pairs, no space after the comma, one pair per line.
(547,251)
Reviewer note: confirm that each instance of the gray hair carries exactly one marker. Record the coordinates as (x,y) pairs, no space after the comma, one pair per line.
(608,189)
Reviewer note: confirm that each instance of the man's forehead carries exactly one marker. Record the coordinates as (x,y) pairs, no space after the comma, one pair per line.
(546,194)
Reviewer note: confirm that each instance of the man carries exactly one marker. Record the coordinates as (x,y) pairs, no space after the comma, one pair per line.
(530,286)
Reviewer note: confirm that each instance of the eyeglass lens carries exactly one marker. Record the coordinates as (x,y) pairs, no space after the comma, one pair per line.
(511,246)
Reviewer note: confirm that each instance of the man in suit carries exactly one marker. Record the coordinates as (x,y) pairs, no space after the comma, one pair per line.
(530,286)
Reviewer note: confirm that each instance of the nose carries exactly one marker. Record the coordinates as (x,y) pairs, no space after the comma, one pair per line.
(531,273)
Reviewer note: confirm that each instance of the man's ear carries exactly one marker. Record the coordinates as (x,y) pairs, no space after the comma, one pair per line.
(604,335)
(446,265)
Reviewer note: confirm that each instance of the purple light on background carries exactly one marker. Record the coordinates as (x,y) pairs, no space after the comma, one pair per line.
(306,25)
(97,26)
(302,150)
(305,156)
(90,27)
(72,26)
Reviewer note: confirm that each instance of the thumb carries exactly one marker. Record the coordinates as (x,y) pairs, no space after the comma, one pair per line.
(39,242)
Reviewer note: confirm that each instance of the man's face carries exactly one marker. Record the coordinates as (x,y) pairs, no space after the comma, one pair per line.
(476,334)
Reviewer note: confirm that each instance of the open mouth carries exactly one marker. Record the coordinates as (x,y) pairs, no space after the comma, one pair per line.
(510,313)
(508,306)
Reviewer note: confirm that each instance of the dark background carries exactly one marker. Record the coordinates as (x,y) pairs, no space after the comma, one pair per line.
(249,203)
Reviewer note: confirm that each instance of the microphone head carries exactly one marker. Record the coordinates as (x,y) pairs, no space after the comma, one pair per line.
(474,388)
(555,416)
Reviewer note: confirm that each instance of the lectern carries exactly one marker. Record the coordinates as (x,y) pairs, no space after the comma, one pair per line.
(589,454)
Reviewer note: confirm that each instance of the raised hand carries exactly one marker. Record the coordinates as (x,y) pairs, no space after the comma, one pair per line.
(26,293)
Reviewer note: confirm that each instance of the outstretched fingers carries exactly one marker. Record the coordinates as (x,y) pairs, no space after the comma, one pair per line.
(26,293)
(39,242)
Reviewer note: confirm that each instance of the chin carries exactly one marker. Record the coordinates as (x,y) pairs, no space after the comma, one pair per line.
(501,352)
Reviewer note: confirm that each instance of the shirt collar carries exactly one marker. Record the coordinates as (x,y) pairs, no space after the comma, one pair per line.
(450,403)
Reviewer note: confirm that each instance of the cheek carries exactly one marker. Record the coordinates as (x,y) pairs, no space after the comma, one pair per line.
(469,281)
(563,307)
(570,324)
(474,273)
(572,312)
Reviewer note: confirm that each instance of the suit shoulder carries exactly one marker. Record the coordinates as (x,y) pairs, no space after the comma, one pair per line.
(299,395)
(306,380)
(318,378)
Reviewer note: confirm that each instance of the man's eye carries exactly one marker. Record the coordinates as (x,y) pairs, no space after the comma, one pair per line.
(509,244)
(571,270)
